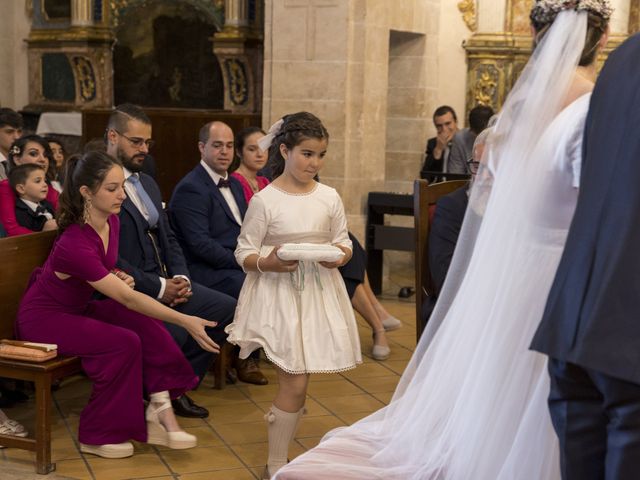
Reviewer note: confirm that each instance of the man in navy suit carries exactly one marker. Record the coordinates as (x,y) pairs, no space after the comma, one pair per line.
(149,252)
(590,328)
(207,208)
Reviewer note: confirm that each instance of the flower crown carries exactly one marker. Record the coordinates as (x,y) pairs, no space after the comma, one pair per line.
(15,150)
(545,11)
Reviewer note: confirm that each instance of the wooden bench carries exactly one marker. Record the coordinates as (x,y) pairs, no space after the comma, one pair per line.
(425,197)
(18,258)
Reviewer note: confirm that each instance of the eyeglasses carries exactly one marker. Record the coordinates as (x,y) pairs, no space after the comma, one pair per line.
(136,141)
(473,166)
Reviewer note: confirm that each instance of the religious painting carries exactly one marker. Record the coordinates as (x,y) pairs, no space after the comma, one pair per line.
(163,57)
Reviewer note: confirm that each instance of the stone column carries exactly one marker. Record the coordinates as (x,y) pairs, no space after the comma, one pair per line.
(236,14)
(81,15)
(619,23)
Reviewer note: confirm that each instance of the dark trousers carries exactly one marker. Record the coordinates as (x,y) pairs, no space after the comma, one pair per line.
(210,305)
(227,281)
(597,420)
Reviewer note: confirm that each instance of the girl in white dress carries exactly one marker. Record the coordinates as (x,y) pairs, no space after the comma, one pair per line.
(298,312)
(471,404)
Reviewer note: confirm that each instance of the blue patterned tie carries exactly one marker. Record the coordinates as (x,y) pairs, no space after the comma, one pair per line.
(146,200)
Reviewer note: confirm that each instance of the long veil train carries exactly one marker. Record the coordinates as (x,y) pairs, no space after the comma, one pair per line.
(473,404)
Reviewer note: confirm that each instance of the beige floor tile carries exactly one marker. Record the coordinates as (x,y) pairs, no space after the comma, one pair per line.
(146,464)
(255,454)
(367,370)
(396,366)
(233,474)
(351,404)
(201,459)
(407,341)
(240,413)
(335,387)
(351,418)
(314,426)
(309,442)
(259,393)
(384,397)
(210,397)
(64,449)
(378,384)
(73,469)
(206,436)
(241,433)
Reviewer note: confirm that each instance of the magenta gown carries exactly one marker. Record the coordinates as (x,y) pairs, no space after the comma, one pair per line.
(124,353)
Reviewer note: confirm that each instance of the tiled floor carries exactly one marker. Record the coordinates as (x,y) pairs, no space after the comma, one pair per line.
(232,441)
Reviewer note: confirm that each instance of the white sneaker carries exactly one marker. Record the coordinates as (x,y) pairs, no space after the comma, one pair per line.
(391,323)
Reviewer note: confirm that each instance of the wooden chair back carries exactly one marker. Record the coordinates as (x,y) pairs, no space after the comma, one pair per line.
(425,197)
(19,256)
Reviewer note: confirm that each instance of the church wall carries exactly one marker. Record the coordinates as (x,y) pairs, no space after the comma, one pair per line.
(333,58)
(14,29)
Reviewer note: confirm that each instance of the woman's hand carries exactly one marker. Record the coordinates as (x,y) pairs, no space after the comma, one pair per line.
(340,262)
(196,328)
(273,263)
(125,277)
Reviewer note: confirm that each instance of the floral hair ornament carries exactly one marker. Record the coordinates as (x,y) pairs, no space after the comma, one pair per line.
(265,142)
(15,150)
(545,11)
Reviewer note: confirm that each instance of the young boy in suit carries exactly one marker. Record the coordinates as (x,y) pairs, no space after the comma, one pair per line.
(33,211)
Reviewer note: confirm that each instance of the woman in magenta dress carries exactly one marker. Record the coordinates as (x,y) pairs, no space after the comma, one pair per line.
(251,160)
(124,349)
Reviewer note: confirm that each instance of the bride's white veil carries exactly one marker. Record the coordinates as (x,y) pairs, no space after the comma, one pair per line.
(437,423)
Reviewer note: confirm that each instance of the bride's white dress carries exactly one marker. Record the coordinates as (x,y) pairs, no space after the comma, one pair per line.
(473,405)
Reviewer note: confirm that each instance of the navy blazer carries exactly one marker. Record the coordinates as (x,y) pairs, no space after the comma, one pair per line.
(445,229)
(203,222)
(591,317)
(133,235)
(27,218)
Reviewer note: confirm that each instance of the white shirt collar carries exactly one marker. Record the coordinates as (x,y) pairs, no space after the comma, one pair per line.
(214,176)
(3,158)
(127,173)
(30,204)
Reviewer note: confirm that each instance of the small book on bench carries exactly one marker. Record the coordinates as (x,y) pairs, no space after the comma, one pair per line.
(27,351)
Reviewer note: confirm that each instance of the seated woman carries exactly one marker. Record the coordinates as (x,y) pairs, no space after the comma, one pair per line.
(57,163)
(365,302)
(124,348)
(27,149)
(250,159)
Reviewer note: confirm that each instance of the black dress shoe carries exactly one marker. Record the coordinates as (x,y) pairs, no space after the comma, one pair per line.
(185,407)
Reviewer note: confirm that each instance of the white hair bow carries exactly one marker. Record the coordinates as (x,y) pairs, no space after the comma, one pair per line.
(265,142)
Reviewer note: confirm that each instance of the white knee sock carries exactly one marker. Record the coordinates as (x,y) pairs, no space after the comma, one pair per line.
(282,428)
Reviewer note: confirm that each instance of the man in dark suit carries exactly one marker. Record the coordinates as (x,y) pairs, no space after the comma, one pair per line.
(149,252)
(207,208)
(590,328)
(439,147)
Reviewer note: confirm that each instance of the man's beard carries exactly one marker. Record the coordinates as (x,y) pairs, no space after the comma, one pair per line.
(128,162)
